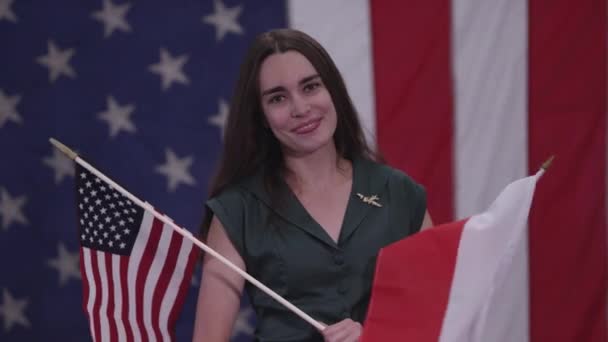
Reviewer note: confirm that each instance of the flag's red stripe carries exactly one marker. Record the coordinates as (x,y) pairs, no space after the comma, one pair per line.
(97,301)
(142,273)
(113,333)
(424,284)
(163,282)
(124,288)
(86,293)
(411,52)
(567,104)
(85,284)
(183,289)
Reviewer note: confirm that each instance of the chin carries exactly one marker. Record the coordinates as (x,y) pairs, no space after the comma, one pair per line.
(309,147)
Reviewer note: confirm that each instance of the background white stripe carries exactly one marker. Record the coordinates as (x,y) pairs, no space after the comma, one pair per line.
(104,290)
(169,299)
(86,254)
(152,278)
(343,28)
(122,334)
(134,263)
(489,46)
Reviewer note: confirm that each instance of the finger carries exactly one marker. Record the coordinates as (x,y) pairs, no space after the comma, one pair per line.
(346,330)
(332,329)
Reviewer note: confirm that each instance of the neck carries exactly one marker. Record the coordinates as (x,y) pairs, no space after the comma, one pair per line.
(319,170)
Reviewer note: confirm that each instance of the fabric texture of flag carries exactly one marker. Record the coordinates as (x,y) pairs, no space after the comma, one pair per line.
(465,96)
(466,279)
(136,270)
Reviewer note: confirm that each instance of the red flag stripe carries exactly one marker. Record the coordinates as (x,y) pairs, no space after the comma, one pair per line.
(567,109)
(110,307)
(94,309)
(124,288)
(104,276)
(192,257)
(142,274)
(411,49)
(85,272)
(169,263)
(424,286)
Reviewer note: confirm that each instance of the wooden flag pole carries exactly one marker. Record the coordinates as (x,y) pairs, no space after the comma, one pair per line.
(185,233)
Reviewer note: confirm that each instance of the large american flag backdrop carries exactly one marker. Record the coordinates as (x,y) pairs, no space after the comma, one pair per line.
(466,96)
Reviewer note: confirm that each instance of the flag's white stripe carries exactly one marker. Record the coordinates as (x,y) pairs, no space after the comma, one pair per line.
(86,254)
(482,305)
(122,334)
(152,279)
(489,46)
(176,278)
(104,291)
(134,263)
(348,43)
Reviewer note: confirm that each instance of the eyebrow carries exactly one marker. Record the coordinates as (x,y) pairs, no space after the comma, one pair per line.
(281,88)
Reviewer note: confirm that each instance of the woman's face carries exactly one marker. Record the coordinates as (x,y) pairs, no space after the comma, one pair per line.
(297,106)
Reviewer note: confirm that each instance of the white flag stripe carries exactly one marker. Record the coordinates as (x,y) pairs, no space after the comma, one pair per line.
(134,263)
(487,242)
(153,276)
(105,294)
(489,61)
(349,44)
(86,255)
(512,278)
(169,299)
(122,334)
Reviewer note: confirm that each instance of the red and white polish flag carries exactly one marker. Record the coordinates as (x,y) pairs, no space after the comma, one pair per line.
(462,281)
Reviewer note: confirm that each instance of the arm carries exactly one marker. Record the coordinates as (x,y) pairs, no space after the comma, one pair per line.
(219,296)
(427,222)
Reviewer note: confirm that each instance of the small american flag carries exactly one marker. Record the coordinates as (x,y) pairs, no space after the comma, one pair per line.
(136,270)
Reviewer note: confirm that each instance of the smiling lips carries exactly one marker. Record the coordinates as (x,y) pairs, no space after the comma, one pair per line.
(307,126)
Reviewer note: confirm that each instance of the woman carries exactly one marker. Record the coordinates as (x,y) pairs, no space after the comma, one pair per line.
(299,201)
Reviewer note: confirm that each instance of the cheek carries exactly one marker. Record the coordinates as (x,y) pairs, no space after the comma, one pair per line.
(277,118)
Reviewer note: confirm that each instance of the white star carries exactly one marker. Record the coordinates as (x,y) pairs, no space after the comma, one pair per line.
(11,209)
(113,17)
(170,69)
(219,119)
(117,117)
(176,170)
(66,263)
(243,324)
(6,12)
(58,62)
(224,19)
(8,108)
(12,311)
(61,164)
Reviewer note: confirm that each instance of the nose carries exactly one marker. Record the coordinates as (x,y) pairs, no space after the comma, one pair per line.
(300,106)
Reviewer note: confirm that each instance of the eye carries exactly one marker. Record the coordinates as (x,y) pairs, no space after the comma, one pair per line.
(311,86)
(276,99)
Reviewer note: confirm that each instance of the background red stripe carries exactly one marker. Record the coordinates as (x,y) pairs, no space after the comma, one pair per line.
(411,53)
(567,101)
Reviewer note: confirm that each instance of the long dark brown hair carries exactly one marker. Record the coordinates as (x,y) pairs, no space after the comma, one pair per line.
(248,142)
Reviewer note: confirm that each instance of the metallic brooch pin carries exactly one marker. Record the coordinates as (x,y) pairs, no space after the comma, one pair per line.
(370,199)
